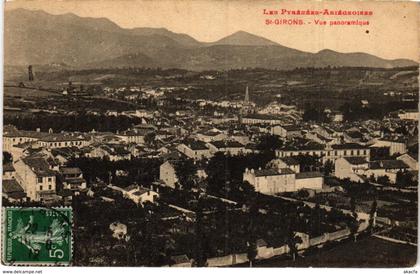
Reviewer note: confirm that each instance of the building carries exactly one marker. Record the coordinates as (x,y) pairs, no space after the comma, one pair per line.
(309,180)
(58,140)
(410,160)
(210,136)
(285,162)
(329,152)
(412,115)
(37,176)
(136,136)
(357,169)
(140,195)
(17,137)
(9,171)
(227,146)
(252,119)
(167,174)
(396,145)
(72,178)
(271,181)
(286,131)
(193,149)
(353,168)
(12,191)
(388,168)
(112,152)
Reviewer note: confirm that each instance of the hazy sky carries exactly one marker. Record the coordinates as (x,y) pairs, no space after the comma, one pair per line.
(393,30)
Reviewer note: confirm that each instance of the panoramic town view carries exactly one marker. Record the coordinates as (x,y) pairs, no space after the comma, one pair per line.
(175,152)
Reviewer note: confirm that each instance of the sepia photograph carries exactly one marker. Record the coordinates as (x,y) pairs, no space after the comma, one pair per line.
(210,133)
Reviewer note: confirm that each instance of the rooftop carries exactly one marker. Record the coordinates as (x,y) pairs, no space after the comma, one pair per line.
(348,146)
(226,144)
(309,174)
(387,164)
(356,160)
(10,186)
(272,172)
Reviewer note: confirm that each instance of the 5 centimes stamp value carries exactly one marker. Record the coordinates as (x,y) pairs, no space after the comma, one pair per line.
(37,236)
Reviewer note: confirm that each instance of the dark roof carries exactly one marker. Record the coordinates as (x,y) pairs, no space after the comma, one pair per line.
(225,144)
(349,146)
(356,160)
(291,128)
(261,116)
(387,164)
(131,187)
(8,167)
(310,174)
(210,133)
(10,186)
(290,161)
(196,145)
(272,172)
(39,166)
(61,138)
(394,139)
(354,134)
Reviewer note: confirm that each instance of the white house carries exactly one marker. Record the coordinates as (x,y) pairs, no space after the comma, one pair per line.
(271,181)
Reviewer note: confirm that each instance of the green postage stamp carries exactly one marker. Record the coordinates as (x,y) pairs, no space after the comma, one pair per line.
(37,236)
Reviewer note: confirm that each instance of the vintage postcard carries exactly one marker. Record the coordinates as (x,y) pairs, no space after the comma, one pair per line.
(200,133)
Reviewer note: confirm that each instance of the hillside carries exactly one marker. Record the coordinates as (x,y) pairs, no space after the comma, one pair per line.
(39,38)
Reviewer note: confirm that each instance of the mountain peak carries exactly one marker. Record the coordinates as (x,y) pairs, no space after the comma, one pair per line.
(243,38)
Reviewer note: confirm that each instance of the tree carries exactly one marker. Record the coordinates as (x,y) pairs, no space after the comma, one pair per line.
(269,143)
(383,180)
(328,167)
(353,225)
(308,162)
(404,179)
(201,247)
(312,114)
(293,240)
(186,172)
(251,239)
(7,157)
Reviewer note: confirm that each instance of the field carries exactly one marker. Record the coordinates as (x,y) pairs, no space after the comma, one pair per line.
(366,252)
(26,93)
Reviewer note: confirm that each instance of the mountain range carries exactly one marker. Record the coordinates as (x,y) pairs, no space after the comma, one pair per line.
(37,37)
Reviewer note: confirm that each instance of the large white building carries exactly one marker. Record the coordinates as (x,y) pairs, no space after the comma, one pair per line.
(273,181)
